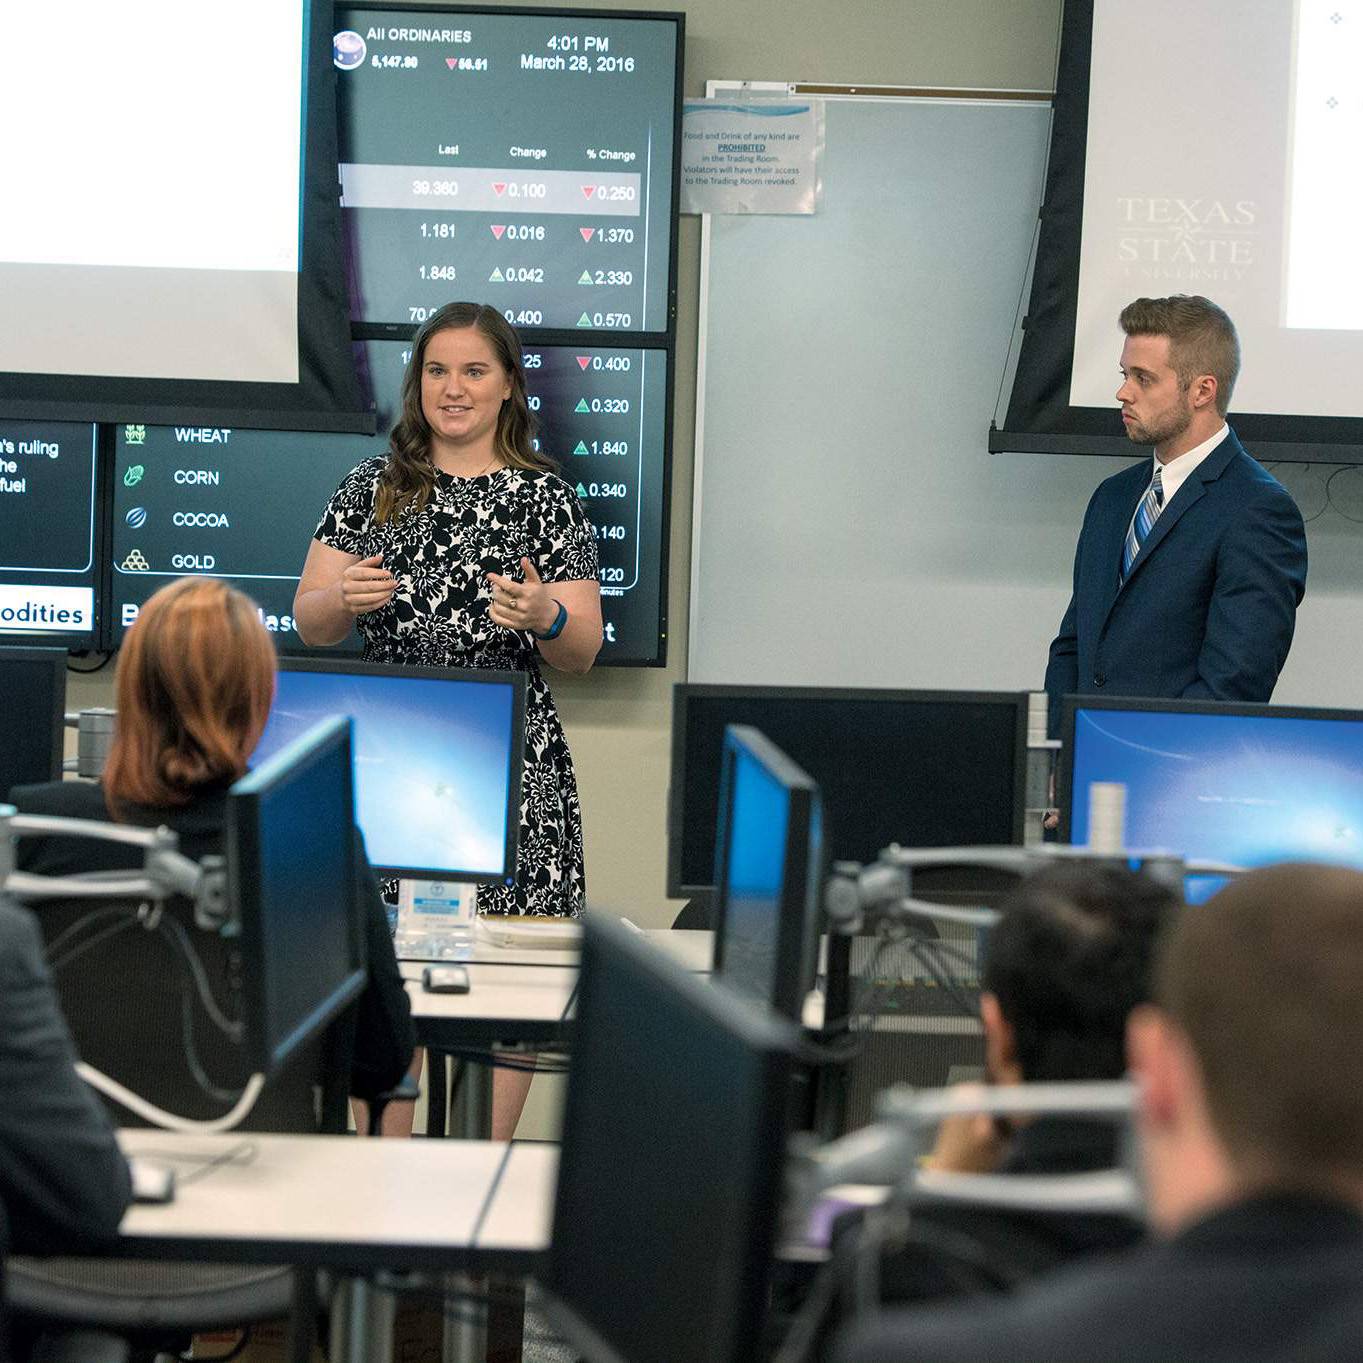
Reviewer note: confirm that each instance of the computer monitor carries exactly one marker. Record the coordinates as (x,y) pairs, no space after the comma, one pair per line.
(1243,784)
(920,768)
(438,756)
(32,715)
(293,872)
(669,1181)
(769,873)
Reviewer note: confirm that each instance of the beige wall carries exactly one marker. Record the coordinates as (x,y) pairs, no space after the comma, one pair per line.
(618,721)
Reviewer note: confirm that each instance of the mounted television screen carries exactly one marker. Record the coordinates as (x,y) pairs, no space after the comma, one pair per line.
(243,504)
(920,768)
(1257,211)
(49,534)
(170,251)
(524,159)
(1245,785)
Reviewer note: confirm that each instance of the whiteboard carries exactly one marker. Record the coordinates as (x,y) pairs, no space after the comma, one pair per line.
(850,527)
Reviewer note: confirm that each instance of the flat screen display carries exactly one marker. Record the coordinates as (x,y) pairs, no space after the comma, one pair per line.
(32,716)
(768,874)
(1246,786)
(49,533)
(294,872)
(438,756)
(921,768)
(640,1272)
(523,159)
(243,504)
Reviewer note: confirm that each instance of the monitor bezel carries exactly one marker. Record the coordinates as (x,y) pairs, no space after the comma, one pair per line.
(1070,706)
(799,924)
(245,813)
(774,1040)
(683,692)
(484,676)
(55,657)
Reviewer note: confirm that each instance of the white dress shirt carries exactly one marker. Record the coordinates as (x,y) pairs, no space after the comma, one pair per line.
(1175,473)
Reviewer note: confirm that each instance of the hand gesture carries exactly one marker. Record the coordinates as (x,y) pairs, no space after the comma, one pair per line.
(523,605)
(367,585)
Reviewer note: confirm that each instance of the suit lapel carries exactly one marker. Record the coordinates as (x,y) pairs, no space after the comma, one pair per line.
(1113,535)
(1193,489)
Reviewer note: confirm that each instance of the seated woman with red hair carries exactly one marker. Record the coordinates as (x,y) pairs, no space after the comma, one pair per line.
(194,685)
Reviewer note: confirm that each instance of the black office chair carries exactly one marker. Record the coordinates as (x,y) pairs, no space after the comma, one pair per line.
(697,913)
(917,1023)
(131,1004)
(77,1346)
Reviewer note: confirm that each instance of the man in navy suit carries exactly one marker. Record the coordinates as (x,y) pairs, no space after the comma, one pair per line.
(1189,567)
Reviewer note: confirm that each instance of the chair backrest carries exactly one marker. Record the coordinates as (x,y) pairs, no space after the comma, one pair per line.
(697,912)
(137,1012)
(913,1005)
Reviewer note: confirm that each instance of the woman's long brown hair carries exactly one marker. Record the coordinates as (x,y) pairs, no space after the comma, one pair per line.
(408,478)
(194,685)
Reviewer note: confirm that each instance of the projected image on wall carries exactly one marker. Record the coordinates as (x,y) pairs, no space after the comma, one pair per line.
(1324,265)
(1239,182)
(155,188)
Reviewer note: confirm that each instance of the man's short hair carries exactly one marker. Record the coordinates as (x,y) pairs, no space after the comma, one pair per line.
(1202,338)
(1072,955)
(1266,981)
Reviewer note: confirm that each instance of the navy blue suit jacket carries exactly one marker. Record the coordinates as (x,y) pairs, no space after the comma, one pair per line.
(1208,608)
(1275,1279)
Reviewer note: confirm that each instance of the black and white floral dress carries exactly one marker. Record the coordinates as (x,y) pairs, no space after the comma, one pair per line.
(438,617)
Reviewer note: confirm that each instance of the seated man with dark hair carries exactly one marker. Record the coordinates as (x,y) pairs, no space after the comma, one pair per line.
(1250,1115)
(1070,958)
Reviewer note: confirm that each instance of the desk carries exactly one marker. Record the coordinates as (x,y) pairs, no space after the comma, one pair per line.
(507,1005)
(518,996)
(353,1206)
(693,948)
(518,999)
(323,1201)
(518,1217)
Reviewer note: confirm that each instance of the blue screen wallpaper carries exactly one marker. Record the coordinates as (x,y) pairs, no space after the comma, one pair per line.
(432,763)
(1244,789)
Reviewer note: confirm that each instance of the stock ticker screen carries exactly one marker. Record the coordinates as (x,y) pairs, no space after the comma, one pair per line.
(523,160)
(49,533)
(243,504)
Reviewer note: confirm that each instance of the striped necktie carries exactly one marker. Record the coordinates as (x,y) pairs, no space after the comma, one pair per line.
(1147,513)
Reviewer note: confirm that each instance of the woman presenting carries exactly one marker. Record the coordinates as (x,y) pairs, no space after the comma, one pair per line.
(460,548)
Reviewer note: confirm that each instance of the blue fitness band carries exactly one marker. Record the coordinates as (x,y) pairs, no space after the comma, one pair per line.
(556,628)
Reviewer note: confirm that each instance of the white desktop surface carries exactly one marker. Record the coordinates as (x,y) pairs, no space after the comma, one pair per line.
(528,986)
(497,993)
(313,1199)
(690,947)
(520,1214)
